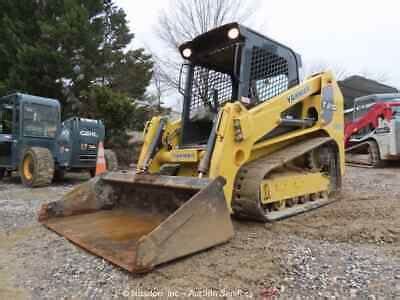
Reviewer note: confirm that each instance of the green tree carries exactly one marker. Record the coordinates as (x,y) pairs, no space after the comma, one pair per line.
(117,111)
(70,50)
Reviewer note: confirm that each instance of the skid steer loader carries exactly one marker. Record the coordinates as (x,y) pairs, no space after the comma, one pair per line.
(252,141)
(372,133)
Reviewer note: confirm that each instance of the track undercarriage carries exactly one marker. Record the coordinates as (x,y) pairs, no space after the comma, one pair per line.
(279,186)
(365,155)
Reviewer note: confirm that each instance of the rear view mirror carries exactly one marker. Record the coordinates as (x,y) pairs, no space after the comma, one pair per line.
(183,71)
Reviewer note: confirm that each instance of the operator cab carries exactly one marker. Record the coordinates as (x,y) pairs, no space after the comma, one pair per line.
(363,104)
(228,64)
(26,120)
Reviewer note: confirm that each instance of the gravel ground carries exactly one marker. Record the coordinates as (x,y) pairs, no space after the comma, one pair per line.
(346,250)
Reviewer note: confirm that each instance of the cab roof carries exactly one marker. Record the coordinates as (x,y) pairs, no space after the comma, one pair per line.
(379,98)
(218,37)
(21,98)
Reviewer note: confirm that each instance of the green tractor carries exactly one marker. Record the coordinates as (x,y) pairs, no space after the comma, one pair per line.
(34,142)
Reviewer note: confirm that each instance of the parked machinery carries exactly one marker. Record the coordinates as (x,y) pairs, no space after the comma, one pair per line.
(253,141)
(372,133)
(34,142)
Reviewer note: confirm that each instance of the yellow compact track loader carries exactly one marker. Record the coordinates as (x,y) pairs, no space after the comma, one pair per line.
(253,141)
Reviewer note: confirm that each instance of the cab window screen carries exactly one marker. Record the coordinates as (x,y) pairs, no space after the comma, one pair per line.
(269,75)
(40,120)
(210,86)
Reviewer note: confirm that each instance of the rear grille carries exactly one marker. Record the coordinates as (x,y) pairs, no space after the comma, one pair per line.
(90,154)
(87,157)
(92,148)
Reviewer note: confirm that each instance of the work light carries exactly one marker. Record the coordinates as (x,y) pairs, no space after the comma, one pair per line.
(233,33)
(187,52)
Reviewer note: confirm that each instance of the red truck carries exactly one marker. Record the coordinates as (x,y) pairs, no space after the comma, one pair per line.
(372,130)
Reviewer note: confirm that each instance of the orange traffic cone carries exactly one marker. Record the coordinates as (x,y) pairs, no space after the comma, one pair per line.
(101,161)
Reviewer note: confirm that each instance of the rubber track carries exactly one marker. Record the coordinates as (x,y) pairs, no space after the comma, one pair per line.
(246,198)
(361,163)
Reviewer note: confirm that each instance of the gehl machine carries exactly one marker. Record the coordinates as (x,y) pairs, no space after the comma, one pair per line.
(252,142)
(34,142)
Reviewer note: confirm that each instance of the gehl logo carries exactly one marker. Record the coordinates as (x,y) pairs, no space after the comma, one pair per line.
(293,98)
(88,133)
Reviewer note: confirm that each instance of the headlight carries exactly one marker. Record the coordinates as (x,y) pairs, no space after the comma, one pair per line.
(84,146)
(233,33)
(187,52)
(64,149)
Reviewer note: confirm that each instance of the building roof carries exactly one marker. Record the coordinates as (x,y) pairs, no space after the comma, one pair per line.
(358,86)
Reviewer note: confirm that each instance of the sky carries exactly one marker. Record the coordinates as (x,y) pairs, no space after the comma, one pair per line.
(360,37)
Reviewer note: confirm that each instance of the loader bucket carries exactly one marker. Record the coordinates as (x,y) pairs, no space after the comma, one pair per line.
(138,221)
